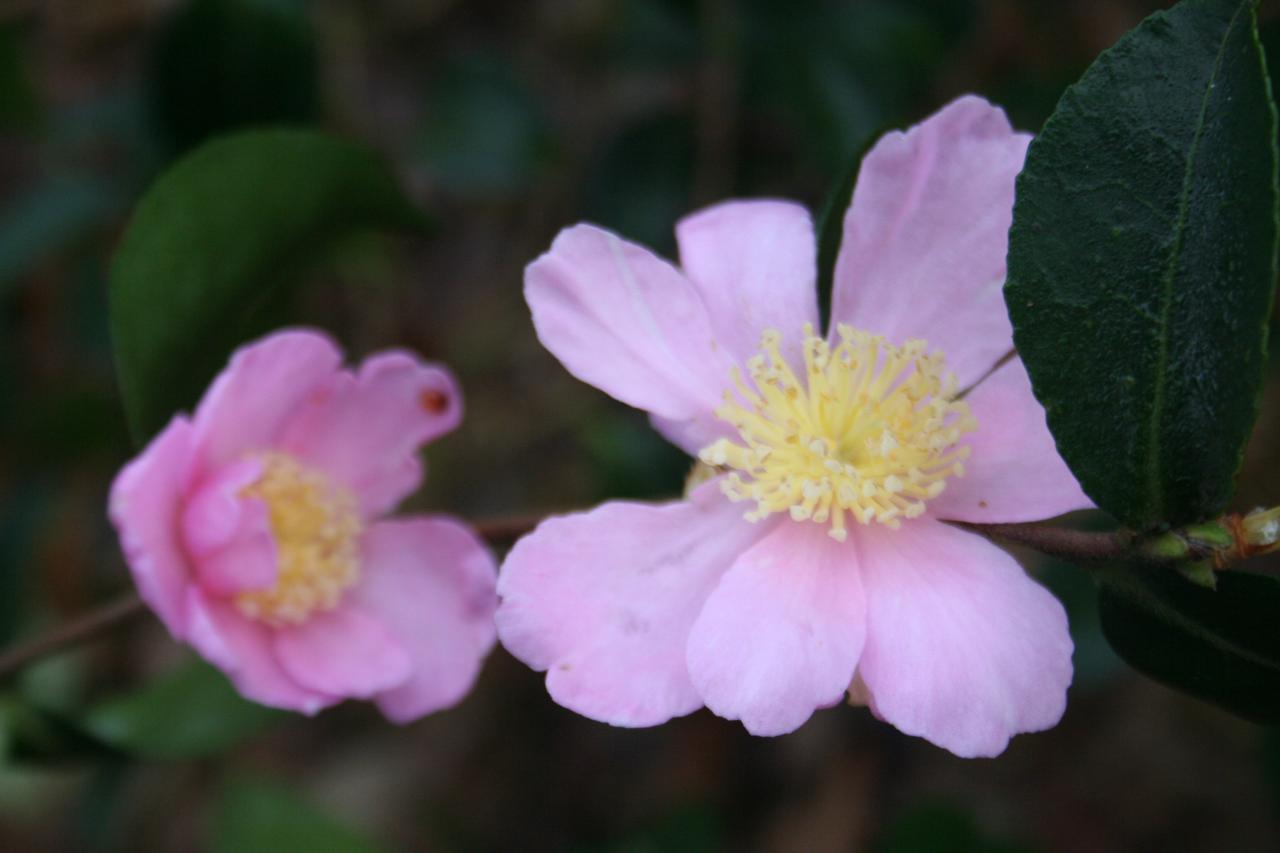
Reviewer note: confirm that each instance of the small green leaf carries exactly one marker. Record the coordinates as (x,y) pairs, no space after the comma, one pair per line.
(1221,646)
(257,816)
(216,240)
(191,713)
(1142,260)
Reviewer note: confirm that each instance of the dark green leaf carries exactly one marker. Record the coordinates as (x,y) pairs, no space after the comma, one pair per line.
(225,64)
(191,713)
(830,229)
(216,239)
(1142,260)
(256,816)
(1221,646)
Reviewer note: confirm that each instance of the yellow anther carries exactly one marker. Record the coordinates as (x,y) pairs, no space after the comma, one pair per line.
(316,525)
(871,430)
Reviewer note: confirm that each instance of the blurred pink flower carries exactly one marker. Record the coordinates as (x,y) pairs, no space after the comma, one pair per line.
(254,530)
(846,450)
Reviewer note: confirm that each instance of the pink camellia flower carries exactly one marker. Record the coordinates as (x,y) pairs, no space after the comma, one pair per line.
(254,530)
(847,452)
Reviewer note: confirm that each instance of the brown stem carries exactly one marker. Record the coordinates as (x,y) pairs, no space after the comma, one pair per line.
(1077,546)
(113,613)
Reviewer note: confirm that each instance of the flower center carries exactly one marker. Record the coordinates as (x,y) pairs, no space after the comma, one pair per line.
(316,526)
(870,430)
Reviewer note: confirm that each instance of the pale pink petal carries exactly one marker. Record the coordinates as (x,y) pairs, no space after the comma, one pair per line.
(628,323)
(923,252)
(227,536)
(255,396)
(243,649)
(755,264)
(365,430)
(1014,472)
(430,582)
(603,601)
(963,649)
(248,563)
(781,635)
(146,506)
(344,652)
(214,512)
(693,434)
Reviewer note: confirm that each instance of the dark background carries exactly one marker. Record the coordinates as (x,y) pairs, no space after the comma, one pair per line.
(507,121)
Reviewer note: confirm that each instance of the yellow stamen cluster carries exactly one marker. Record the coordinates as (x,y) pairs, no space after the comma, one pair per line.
(316,525)
(870,429)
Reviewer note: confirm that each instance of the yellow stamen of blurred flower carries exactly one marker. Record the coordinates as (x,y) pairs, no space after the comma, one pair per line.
(870,429)
(316,525)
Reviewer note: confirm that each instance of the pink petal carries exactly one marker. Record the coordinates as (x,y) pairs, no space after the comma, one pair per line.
(228,536)
(604,601)
(249,403)
(923,253)
(1014,472)
(214,514)
(781,635)
(365,431)
(344,652)
(145,507)
(628,323)
(755,264)
(242,648)
(963,649)
(430,582)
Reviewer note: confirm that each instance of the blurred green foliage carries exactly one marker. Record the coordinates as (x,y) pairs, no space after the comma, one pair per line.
(192,712)
(483,132)
(257,815)
(940,828)
(220,65)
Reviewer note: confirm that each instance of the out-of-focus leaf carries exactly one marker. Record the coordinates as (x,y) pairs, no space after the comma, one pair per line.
(21,510)
(217,238)
(220,65)
(1142,261)
(48,217)
(19,106)
(259,816)
(1221,646)
(642,182)
(191,713)
(691,829)
(658,34)
(630,460)
(836,73)
(483,130)
(936,828)
(30,735)
(1094,661)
